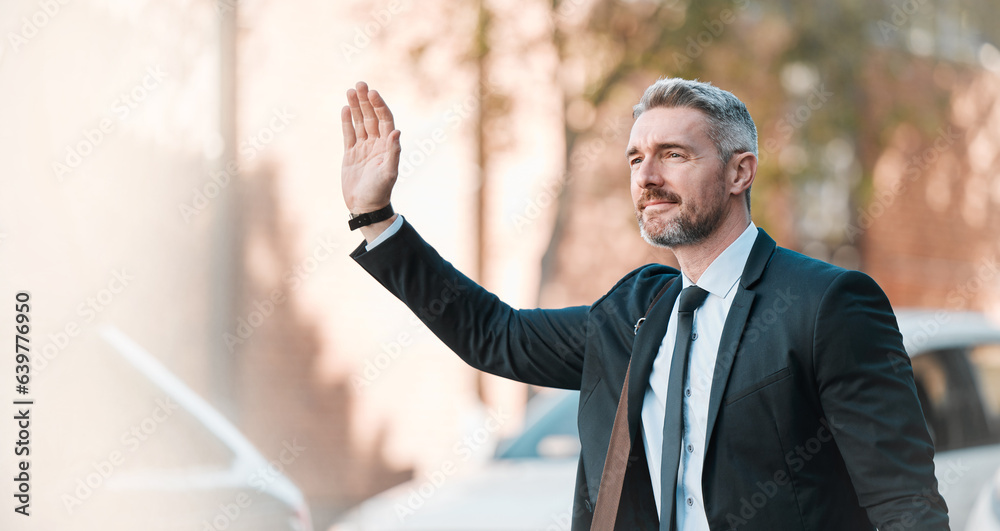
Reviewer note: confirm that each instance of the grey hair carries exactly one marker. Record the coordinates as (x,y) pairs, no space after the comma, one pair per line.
(730,126)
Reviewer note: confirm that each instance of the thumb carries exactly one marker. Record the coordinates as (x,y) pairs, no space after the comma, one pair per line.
(392,159)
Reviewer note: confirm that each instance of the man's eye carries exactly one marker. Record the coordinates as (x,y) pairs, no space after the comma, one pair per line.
(635,161)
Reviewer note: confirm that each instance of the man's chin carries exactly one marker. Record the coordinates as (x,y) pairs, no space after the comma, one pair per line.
(656,235)
(652,241)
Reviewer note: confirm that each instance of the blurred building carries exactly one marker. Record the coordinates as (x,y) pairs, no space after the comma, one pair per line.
(931,231)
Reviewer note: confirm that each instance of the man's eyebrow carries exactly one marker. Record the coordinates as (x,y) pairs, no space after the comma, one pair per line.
(659,147)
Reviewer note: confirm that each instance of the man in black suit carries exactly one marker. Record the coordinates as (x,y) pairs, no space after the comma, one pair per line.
(754,389)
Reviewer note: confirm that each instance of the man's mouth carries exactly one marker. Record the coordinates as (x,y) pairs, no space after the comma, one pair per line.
(660,199)
(659,203)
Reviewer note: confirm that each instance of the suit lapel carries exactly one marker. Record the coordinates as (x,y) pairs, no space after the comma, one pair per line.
(732,332)
(644,348)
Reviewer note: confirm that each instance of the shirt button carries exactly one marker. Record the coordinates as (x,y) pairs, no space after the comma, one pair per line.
(694,336)
(687,392)
(690,448)
(690,502)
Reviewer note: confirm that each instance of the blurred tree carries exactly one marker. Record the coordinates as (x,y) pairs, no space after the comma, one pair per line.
(806,73)
(827,84)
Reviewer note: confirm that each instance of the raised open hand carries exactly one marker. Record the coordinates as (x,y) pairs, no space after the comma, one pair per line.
(371,151)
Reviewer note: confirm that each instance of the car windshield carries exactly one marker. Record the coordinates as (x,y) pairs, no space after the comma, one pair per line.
(151,431)
(959,390)
(551,429)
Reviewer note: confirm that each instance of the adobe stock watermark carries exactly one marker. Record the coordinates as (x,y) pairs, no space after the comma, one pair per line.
(765,319)
(131,440)
(914,169)
(714,28)
(902,12)
(229,512)
(32,25)
(562,521)
(756,327)
(427,144)
(464,449)
(796,118)
(121,108)
(292,279)
(796,459)
(249,148)
(88,311)
(364,34)
(957,298)
(950,474)
(227,6)
(961,294)
(574,343)
(390,351)
(583,157)
(567,10)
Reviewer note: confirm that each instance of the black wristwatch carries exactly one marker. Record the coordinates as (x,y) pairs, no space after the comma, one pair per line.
(363,220)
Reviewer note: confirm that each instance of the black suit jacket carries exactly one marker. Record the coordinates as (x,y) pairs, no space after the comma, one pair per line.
(813,423)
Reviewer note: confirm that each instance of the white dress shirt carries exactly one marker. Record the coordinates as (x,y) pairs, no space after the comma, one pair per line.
(389,231)
(720,280)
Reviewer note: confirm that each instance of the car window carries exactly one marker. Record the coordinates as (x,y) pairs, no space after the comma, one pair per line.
(953,385)
(553,433)
(985,363)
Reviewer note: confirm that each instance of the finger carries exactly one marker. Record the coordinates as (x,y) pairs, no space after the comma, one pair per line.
(371,121)
(350,138)
(392,161)
(385,121)
(356,116)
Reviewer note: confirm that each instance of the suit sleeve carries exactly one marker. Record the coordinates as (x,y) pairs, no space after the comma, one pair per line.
(539,347)
(866,388)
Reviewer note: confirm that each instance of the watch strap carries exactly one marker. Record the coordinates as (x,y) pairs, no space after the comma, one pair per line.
(363,220)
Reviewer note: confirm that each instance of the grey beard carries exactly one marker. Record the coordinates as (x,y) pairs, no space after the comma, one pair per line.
(682,231)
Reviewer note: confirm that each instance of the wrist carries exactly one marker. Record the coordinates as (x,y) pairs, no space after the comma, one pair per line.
(359,209)
(373,231)
(369,217)
(366,202)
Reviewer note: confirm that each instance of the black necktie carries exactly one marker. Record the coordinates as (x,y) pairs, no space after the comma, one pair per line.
(673,418)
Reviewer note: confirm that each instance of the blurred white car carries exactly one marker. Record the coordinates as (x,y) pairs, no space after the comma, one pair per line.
(120,443)
(534,472)
(956,367)
(985,514)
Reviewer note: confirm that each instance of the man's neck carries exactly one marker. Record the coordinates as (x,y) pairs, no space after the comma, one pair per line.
(695,258)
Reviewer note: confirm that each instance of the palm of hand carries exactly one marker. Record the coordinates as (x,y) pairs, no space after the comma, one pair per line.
(371,151)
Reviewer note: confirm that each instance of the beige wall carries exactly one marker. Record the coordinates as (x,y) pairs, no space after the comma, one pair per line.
(199,248)
(380,398)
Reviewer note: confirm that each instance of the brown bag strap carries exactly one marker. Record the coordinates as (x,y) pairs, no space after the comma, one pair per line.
(613,476)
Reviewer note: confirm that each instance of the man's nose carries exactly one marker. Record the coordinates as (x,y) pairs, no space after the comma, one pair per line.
(648,175)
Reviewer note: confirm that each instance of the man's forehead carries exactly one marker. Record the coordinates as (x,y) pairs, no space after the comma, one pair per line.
(669,124)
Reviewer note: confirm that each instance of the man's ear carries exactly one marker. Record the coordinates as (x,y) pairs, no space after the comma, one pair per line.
(743,170)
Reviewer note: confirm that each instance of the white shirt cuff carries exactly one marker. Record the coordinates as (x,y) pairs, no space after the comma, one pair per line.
(386,234)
